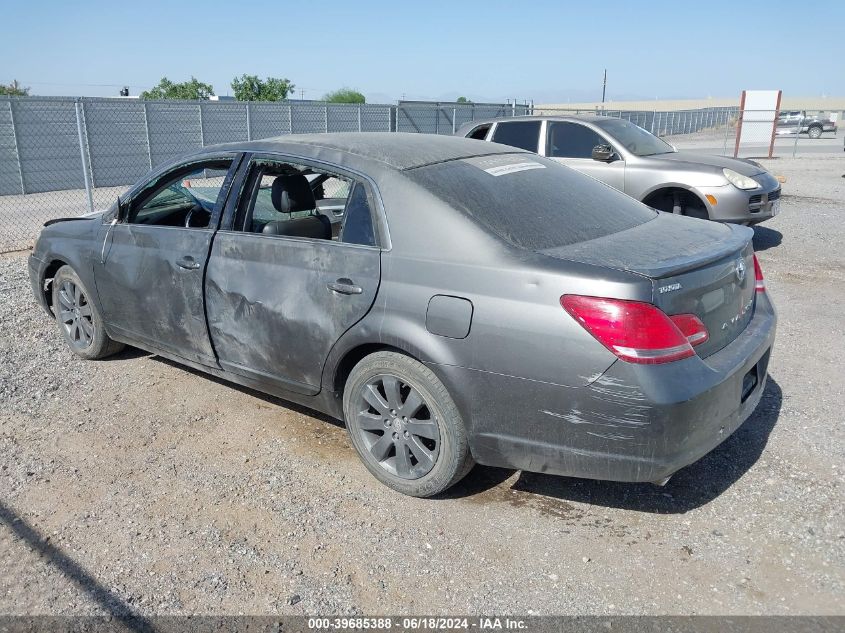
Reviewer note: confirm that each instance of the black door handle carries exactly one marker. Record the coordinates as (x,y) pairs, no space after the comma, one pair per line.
(344,286)
(187,262)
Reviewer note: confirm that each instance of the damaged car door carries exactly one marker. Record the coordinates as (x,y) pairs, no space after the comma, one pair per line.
(149,271)
(282,284)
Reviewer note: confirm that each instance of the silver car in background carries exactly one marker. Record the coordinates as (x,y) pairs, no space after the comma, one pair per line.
(643,166)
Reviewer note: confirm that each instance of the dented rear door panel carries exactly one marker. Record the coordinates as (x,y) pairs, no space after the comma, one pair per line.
(271,313)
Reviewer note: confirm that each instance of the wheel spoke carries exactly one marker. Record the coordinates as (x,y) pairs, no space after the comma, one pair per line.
(66,316)
(392,389)
(83,336)
(423,428)
(381,448)
(423,455)
(77,294)
(370,422)
(85,310)
(87,328)
(75,331)
(403,460)
(413,403)
(373,397)
(65,298)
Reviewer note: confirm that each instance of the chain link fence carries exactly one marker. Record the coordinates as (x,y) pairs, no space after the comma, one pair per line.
(67,156)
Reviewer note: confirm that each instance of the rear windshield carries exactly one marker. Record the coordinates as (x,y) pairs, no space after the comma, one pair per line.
(531,202)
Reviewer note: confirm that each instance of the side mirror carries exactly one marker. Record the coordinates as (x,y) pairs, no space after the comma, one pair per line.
(603,153)
(122,210)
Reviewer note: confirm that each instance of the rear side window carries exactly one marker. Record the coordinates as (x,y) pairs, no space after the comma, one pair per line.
(572,140)
(358,223)
(521,134)
(480,132)
(530,201)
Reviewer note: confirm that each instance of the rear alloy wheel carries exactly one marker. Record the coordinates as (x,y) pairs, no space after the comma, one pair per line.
(78,318)
(815,131)
(404,425)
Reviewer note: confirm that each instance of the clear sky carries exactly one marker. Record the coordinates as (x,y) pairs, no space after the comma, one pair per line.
(485,50)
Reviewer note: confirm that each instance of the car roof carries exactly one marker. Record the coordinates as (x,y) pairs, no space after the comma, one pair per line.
(397,150)
(590,118)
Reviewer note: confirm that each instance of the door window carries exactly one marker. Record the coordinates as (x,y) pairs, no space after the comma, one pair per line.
(184,197)
(480,133)
(572,140)
(522,134)
(293,200)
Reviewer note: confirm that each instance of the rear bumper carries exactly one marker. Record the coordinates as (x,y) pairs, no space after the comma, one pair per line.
(634,423)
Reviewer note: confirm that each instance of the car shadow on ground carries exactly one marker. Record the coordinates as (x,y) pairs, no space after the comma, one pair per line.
(286,404)
(766,238)
(690,488)
(54,556)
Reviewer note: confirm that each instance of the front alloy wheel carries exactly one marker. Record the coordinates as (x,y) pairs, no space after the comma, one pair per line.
(75,315)
(78,318)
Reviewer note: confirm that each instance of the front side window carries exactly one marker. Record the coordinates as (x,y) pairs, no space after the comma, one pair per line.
(572,140)
(633,138)
(521,134)
(183,197)
(293,200)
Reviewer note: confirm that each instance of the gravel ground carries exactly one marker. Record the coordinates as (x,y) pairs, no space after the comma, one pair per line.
(134,484)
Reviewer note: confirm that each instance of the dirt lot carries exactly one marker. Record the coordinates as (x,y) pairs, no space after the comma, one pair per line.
(135,484)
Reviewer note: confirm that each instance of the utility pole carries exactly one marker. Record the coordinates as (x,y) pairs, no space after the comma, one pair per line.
(604,85)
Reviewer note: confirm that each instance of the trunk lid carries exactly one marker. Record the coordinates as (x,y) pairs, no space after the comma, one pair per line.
(696,267)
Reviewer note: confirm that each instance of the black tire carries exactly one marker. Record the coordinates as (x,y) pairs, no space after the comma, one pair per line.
(815,131)
(79,319)
(449,453)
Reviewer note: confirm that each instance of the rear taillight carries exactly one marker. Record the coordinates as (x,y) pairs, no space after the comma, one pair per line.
(759,284)
(691,327)
(635,331)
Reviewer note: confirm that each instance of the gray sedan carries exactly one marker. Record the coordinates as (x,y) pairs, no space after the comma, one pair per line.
(645,167)
(453,302)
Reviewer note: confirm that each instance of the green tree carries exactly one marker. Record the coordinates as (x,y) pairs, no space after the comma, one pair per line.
(14,89)
(462,100)
(344,95)
(251,88)
(191,90)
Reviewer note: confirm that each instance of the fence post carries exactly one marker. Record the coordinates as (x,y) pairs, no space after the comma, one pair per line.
(85,177)
(202,132)
(326,116)
(17,151)
(87,145)
(797,133)
(359,117)
(147,130)
(454,116)
(248,123)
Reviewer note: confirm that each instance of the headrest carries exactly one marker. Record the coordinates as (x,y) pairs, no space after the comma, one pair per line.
(292,193)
